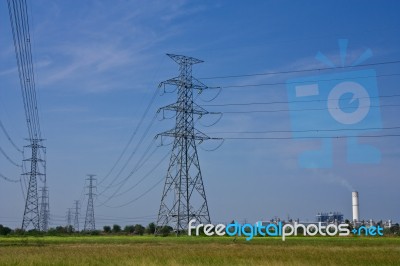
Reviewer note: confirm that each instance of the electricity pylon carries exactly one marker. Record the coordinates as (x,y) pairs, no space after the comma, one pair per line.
(44,209)
(18,12)
(69,218)
(76,216)
(183,197)
(89,219)
(31,212)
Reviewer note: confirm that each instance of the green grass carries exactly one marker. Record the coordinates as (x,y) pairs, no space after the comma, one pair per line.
(149,250)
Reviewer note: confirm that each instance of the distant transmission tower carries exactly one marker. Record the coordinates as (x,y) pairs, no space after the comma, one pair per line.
(69,218)
(183,197)
(89,219)
(76,216)
(44,209)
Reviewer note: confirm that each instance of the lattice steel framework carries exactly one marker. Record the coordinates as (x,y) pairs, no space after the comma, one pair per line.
(184,197)
(18,13)
(76,216)
(31,213)
(44,209)
(69,218)
(89,219)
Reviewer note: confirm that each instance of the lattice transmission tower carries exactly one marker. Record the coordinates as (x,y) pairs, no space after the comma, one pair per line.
(18,12)
(89,219)
(69,218)
(31,212)
(183,197)
(44,209)
(76,216)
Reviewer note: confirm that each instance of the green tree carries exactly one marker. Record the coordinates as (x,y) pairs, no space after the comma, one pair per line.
(166,230)
(106,229)
(69,229)
(4,230)
(139,229)
(151,228)
(116,228)
(129,229)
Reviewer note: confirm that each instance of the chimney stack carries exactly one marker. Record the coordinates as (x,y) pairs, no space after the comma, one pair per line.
(355,206)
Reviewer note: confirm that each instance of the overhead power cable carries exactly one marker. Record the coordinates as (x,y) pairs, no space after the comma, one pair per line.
(9,179)
(301,82)
(131,156)
(299,101)
(121,184)
(309,137)
(301,70)
(132,136)
(145,176)
(8,137)
(8,157)
(308,109)
(304,131)
(138,197)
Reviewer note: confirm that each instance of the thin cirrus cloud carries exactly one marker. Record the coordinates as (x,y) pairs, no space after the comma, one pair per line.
(122,46)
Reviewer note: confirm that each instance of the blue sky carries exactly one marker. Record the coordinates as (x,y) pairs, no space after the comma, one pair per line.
(98,64)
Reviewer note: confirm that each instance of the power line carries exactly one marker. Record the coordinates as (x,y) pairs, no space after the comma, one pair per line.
(304,131)
(302,82)
(300,101)
(130,174)
(145,133)
(309,109)
(131,137)
(8,157)
(301,70)
(309,137)
(9,179)
(8,137)
(145,176)
(138,197)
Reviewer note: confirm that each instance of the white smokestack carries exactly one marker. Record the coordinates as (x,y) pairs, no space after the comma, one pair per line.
(355,206)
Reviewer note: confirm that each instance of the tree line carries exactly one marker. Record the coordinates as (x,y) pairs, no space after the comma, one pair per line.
(115,229)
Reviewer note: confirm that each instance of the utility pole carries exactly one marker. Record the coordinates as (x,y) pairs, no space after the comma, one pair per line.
(76,216)
(89,219)
(183,197)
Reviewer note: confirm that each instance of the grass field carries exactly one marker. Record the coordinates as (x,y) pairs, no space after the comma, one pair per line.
(149,250)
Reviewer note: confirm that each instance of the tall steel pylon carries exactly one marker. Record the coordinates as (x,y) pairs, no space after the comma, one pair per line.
(183,197)
(89,219)
(18,12)
(44,209)
(31,213)
(76,216)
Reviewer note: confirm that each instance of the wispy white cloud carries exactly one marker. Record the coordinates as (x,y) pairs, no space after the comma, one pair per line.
(114,42)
